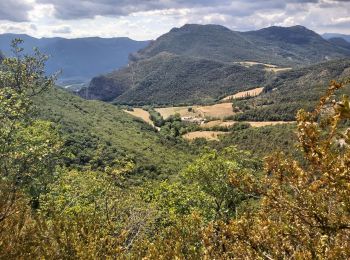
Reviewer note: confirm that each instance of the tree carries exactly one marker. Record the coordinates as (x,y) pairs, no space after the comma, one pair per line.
(28,147)
(210,174)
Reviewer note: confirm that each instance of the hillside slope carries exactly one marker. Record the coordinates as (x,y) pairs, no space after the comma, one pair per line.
(289,91)
(172,79)
(97,132)
(79,59)
(336,35)
(340,42)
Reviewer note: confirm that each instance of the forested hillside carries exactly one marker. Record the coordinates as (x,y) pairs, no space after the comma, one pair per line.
(98,134)
(173,79)
(340,42)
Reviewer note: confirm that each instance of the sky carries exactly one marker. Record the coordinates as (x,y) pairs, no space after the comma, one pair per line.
(148,19)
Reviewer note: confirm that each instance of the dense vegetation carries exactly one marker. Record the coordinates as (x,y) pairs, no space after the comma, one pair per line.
(98,135)
(262,140)
(226,204)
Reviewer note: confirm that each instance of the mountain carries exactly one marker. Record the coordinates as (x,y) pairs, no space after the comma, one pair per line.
(290,91)
(79,59)
(340,42)
(284,46)
(198,63)
(96,132)
(174,79)
(336,35)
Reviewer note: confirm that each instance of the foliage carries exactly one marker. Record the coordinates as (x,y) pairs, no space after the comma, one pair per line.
(28,146)
(260,141)
(210,174)
(96,134)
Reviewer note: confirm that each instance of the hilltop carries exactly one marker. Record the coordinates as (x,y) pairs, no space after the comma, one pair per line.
(284,46)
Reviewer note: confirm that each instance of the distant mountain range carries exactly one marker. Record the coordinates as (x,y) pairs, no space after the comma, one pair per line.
(79,59)
(198,63)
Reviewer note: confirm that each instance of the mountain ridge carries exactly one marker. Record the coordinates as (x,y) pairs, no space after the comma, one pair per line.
(265,45)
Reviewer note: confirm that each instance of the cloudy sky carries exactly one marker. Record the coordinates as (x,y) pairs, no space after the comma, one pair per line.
(147,19)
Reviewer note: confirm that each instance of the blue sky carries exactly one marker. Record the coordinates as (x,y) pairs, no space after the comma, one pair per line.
(148,19)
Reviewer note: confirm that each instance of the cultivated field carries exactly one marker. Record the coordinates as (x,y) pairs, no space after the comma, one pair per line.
(214,111)
(209,135)
(261,124)
(249,93)
(268,67)
(140,113)
(230,123)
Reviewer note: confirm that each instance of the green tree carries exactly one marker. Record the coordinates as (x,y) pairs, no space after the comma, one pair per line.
(28,147)
(211,173)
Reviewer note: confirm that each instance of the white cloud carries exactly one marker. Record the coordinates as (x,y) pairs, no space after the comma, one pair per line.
(147,19)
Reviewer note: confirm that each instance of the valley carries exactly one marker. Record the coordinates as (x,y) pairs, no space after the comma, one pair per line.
(208,117)
(204,143)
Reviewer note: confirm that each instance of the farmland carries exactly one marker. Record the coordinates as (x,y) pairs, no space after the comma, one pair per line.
(209,135)
(221,111)
(221,123)
(249,93)
(141,113)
